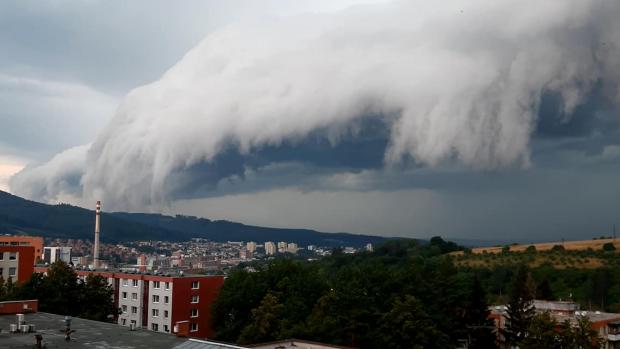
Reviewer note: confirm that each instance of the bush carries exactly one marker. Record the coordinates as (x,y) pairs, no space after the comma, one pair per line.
(557,248)
(609,246)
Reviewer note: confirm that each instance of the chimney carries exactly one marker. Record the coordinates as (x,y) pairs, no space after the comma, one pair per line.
(97,224)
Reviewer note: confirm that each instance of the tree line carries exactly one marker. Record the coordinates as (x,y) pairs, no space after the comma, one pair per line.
(403,295)
(62,292)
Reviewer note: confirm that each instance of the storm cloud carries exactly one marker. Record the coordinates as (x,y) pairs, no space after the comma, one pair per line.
(364,98)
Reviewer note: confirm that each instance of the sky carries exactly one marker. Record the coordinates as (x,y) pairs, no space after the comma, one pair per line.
(467,119)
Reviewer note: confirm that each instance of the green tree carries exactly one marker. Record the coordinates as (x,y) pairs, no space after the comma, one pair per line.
(520,309)
(584,336)
(480,329)
(265,324)
(97,299)
(542,333)
(407,325)
(543,290)
(3,295)
(60,290)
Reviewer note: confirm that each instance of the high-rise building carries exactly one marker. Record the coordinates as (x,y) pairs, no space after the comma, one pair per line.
(292,248)
(369,247)
(282,246)
(251,246)
(270,248)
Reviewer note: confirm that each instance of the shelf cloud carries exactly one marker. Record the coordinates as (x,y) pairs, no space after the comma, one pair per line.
(384,87)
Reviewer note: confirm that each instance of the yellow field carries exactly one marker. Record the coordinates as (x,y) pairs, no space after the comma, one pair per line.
(568,245)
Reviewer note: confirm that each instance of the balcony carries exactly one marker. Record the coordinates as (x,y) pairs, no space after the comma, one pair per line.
(613,337)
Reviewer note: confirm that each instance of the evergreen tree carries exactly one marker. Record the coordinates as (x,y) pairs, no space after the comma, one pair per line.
(480,329)
(520,308)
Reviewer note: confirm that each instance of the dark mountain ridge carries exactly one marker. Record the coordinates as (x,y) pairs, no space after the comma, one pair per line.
(21,216)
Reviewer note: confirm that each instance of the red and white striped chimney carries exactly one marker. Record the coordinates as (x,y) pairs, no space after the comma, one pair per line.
(97,225)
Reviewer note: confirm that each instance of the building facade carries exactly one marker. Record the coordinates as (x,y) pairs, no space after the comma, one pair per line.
(16,240)
(164,303)
(17,262)
(607,325)
(270,248)
(55,254)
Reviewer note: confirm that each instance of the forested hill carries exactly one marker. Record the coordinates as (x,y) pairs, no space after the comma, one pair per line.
(21,216)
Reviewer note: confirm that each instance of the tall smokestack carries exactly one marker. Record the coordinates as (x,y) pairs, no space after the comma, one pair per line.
(97,223)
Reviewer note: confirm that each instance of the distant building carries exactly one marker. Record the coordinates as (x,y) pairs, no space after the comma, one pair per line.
(292,248)
(55,254)
(369,247)
(282,246)
(81,260)
(16,240)
(270,248)
(311,247)
(606,324)
(251,246)
(17,262)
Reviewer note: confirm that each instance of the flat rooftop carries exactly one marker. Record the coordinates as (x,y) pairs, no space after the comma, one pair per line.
(88,334)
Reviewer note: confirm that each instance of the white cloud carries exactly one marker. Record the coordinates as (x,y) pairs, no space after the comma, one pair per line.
(459,79)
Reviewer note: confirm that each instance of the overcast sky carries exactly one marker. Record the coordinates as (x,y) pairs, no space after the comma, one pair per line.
(466,119)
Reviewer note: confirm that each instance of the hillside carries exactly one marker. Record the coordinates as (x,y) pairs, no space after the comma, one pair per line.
(576,245)
(21,216)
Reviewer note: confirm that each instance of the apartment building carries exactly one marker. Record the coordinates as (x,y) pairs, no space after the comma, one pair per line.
(18,240)
(56,253)
(169,304)
(270,248)
(16,262)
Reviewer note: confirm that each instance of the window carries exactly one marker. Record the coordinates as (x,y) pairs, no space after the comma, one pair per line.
(166,328)
(195,284)
(154,327)
(1,256)
(194,327)
(194,299)
(166,299)
(12,271)
(155,312)
(134,296)
(167,285)
(134,310)
(1,272)
(166,313)
(155,298)
(12,256)
(134,283)
(124,308)
(194,313)
(155,284)
(125,281)
(124,295)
